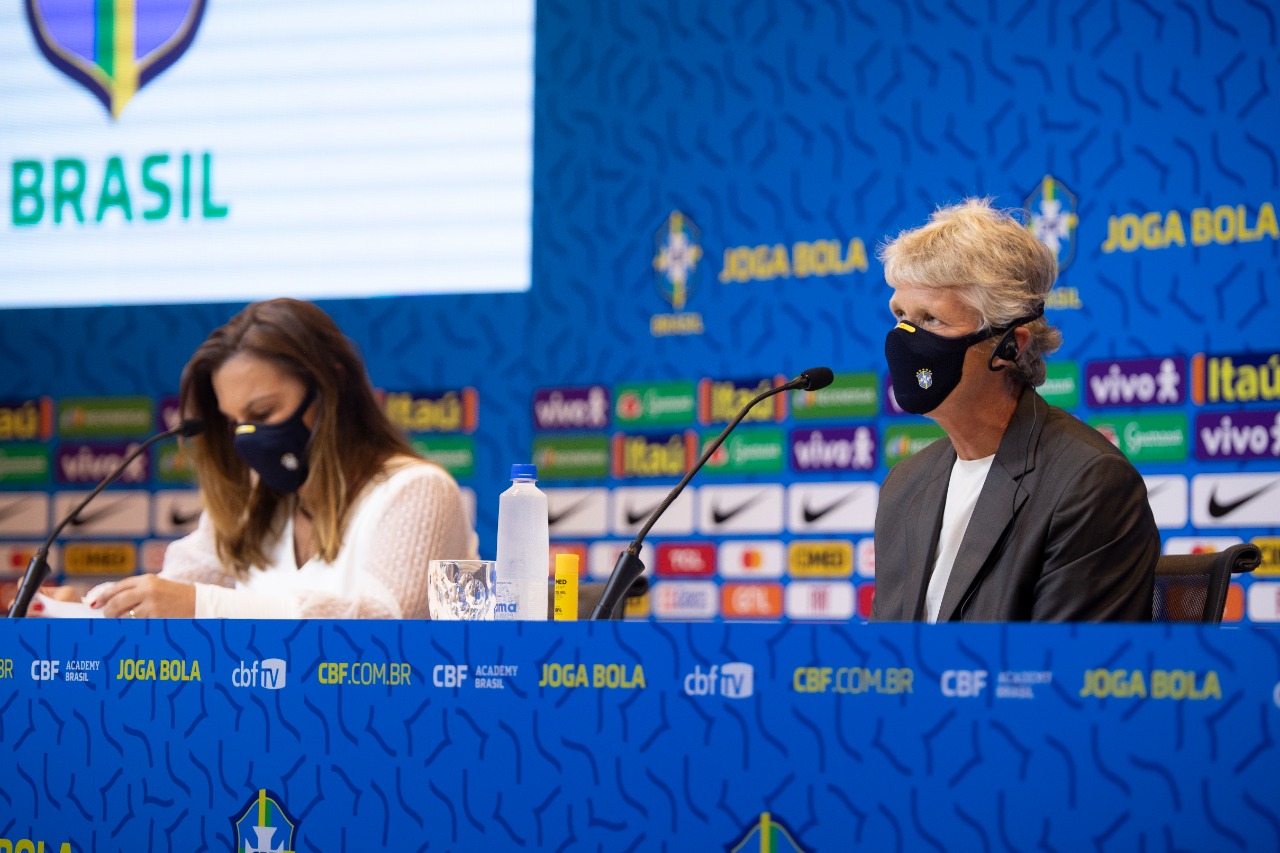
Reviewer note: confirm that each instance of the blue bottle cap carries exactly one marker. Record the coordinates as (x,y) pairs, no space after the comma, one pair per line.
(524,471)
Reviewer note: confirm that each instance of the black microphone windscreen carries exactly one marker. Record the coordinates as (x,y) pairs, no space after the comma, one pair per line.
(195,426)
(817,377)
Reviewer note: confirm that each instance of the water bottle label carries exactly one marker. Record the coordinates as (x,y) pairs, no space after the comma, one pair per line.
(506,601)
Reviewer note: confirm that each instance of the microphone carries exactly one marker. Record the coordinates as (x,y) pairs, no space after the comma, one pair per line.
(38,568)
(629,568)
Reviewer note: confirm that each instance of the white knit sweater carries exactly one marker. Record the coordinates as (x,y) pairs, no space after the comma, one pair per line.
(403,519)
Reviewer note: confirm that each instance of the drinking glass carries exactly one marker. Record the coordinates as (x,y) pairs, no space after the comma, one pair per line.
(461,589)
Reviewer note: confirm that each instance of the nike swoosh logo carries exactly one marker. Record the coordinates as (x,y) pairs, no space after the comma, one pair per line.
(12,509)
(720,515)
(1158,489)
(554,518)
(1217,510)
(637,516)
(811,515)
(178,518)
(82,518)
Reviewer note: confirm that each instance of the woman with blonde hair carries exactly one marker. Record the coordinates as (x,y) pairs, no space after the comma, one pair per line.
(314,503)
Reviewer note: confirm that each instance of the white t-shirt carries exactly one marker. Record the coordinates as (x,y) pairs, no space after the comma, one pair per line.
(402,520)
(967,477)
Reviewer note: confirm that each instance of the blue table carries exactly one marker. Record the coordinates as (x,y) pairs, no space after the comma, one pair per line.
(154,735)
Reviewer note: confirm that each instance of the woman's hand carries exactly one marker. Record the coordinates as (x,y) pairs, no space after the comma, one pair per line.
(147,596)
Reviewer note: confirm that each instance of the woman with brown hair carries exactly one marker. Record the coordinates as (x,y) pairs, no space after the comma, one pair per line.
(315,505)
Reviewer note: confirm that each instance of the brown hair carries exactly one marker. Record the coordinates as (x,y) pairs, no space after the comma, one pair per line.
(351,443)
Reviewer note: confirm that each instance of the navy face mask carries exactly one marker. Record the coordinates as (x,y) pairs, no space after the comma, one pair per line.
(925,367)
(278,452)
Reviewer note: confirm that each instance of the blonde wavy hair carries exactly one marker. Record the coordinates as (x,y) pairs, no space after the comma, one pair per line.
(992,263)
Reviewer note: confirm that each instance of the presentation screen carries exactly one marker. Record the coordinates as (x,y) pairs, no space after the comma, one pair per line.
(158,151)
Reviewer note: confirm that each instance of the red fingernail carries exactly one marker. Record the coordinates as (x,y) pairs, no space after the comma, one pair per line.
(37,607)
(93,603)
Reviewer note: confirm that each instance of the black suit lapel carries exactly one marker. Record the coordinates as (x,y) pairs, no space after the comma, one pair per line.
(999,502)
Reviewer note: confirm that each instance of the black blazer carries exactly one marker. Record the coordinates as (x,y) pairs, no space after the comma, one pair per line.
(1062,530)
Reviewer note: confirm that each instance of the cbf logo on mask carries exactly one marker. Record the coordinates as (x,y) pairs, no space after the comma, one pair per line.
(113,47)
(926,367)
(278,452)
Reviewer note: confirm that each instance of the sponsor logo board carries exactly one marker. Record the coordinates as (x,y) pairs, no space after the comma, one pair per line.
(740,509)
(832,507)
(456,410)
(820,559)
(1270,548)
(577,512)
(571,458)
(685,600)
(1264,601)
(1061,386)
(16,556)
(1238,435)
(1136,382)
(827,600)
(100,558)
(653,454)
(686,559)
(571,408)
(657,404)
(1167,494)
(850,395)
(632,506)
(748,559)
(1146,438)
(1199,544)
(1235,378)
(112,513)
(175,513)
(1236,500)
(454,453)
(24,464)
(720,400)
(903,440)
(866,554)
(834,449)
(26,420)
(94,417)
(747,451)
(751,600)
(24,514)
(79,463)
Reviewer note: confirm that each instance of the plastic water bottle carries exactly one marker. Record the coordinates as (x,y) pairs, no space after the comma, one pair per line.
(523,541)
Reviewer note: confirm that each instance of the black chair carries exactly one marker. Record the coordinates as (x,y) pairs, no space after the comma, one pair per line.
(1193,587)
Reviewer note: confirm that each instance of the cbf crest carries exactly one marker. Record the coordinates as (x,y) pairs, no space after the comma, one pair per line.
(677,253)
(1051,209)
(924,378)
(264,826)
(114,47)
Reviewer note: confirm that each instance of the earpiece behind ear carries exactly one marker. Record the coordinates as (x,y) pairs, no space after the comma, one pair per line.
(1006,348)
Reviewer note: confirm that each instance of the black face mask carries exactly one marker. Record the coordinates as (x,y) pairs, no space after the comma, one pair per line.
(926,367)
(278,452)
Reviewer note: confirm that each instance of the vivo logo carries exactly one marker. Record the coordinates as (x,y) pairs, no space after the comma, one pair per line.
(85,463)
(1142,380)
(1238,435)
(268,674)
(571,408)
(732,681)
(837,449)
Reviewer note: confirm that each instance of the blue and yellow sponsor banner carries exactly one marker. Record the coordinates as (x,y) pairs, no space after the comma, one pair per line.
(325,730)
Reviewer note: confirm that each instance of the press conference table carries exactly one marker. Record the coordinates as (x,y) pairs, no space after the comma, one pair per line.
(190,735)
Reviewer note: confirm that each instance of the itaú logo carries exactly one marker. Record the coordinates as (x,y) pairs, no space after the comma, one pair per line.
(269,674)
(113,48)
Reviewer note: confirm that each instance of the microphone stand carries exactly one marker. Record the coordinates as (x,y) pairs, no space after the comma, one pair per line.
(629,568)
(38,569)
